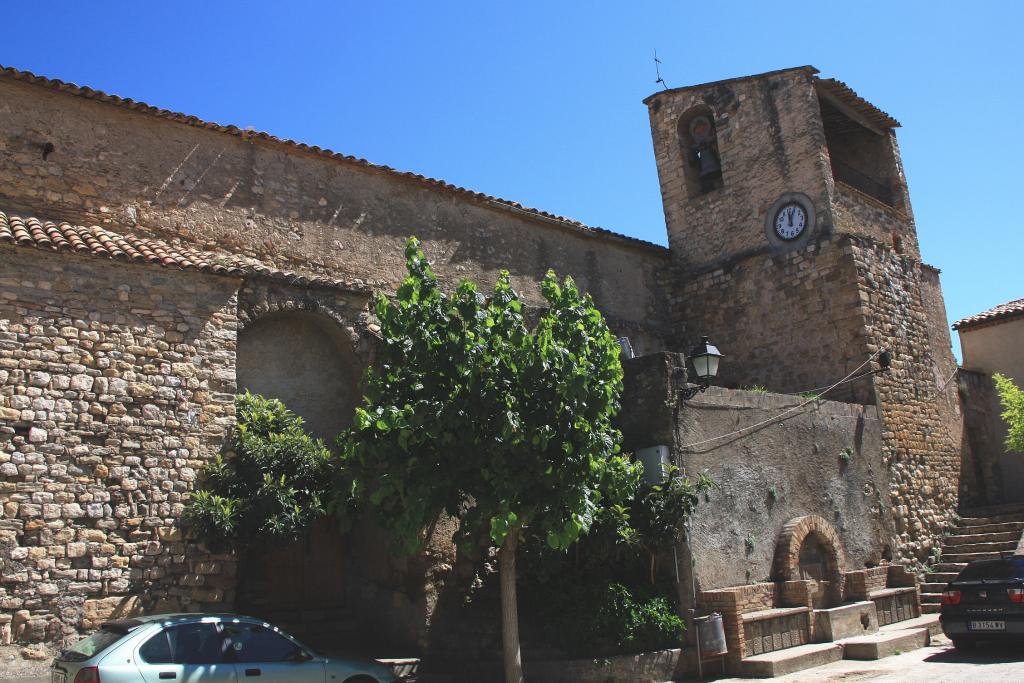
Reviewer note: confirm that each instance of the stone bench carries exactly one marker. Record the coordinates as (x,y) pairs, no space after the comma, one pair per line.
(779,628)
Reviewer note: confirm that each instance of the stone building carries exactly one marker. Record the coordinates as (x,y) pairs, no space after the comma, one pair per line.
(992,342)
(153,264)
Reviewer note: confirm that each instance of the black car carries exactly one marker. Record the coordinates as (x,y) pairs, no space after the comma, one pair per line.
(985,602)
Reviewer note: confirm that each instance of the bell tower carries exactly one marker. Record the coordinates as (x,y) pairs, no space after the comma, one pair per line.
(761,179)
(795,250)
(730,152)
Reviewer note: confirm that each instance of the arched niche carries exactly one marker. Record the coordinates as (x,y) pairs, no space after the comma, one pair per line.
(809,548)
(305,360)
(698,141)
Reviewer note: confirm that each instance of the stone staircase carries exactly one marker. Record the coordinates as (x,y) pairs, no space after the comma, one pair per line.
(985,535)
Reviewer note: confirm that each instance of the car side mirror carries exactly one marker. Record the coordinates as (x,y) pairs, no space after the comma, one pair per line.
(299,655)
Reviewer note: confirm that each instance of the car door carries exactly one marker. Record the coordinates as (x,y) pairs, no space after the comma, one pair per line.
(186,653)
(263,655)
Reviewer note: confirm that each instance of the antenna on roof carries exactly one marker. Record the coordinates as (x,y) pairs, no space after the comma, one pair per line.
(657,70)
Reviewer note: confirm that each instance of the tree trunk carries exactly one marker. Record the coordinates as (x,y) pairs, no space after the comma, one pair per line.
(509,608)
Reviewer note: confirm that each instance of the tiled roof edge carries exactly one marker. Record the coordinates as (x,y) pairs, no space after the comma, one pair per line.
(1011,309)
(251,135)
(103,243)
(807,68)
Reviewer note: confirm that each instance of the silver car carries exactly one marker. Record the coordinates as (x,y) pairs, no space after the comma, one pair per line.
(204,648)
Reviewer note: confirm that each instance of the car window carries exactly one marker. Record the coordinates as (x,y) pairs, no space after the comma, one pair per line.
(91,646)
(257,643)
(197,643)
(157,650)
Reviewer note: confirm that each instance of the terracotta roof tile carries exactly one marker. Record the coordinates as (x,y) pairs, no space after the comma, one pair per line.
(100,242)
(1007,310)
(496,202)
(847,96)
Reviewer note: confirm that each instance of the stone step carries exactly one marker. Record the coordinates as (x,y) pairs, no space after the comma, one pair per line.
(933,587)
(1002,509)
(997,547)
(957,558)
(941,577)
(928,621)
(782,662)
(947,566)
(995,537)
(928,598)
(404,668)
(930,608)
(990,528)
(885,643)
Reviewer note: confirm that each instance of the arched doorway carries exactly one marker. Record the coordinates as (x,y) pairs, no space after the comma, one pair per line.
(305,360)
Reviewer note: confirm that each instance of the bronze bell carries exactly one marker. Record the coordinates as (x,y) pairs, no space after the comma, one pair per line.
(707,161)
(702,132)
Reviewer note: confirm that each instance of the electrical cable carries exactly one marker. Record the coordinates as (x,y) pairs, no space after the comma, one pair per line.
(774,418)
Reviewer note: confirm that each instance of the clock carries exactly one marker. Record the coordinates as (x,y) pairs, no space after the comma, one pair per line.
(790,221)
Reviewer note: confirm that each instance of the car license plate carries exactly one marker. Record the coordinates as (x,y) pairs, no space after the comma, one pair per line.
(986,625)
(58,677)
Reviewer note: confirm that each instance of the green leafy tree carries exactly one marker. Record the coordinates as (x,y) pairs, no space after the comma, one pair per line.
(659,512)
(1012,398)
(273,486)
(473,414)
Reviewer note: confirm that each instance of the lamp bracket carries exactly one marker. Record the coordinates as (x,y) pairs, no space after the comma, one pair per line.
(689,392)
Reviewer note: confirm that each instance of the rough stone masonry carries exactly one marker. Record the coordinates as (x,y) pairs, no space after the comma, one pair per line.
(140,249)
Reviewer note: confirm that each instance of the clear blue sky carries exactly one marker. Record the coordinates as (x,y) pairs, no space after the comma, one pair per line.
(540,102)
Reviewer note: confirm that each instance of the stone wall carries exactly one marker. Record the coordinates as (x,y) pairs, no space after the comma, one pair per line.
(922,451)
(789,322)
(116,385)
(855,213)
(824,458)
(298,207)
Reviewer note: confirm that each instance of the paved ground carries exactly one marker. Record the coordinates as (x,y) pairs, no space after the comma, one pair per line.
(939,663)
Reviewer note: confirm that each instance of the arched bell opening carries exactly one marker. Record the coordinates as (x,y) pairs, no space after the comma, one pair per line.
(698,139)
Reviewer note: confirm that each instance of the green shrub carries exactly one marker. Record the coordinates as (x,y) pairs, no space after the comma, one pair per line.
(273,486)
(585,617)
(1012,398)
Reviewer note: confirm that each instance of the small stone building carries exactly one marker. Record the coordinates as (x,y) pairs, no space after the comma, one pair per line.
(991,342)
(152,265)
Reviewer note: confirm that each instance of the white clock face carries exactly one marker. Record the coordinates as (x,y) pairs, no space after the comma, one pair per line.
(790,221)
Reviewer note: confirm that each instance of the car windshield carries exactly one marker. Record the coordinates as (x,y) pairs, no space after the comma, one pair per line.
(89,647)
(992,570)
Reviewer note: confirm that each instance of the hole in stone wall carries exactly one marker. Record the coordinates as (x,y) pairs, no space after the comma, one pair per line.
(812,559)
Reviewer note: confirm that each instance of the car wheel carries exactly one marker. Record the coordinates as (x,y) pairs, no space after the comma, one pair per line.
(965,643)
(361,679)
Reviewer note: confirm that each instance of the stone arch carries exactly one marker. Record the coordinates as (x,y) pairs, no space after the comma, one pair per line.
(792,539)
(305,359)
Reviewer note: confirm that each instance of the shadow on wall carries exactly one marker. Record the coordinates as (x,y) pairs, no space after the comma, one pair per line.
(304,360)
(335,590)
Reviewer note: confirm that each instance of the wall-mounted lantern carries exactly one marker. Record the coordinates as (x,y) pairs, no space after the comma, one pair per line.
(704,358)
